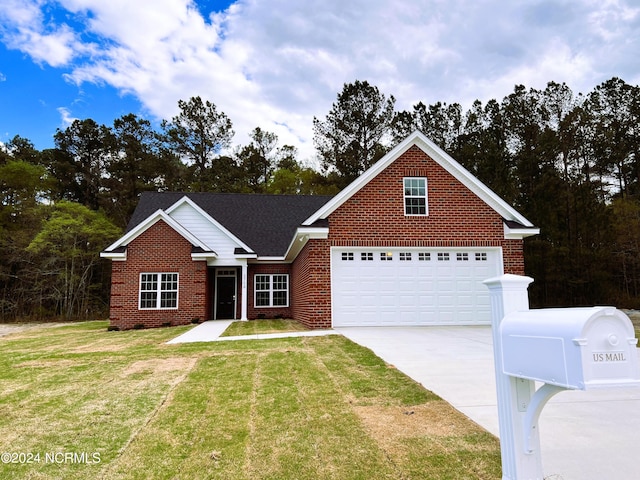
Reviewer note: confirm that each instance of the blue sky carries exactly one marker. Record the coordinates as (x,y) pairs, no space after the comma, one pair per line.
(278,63)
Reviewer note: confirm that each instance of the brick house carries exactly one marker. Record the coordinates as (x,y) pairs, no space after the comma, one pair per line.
(407,243)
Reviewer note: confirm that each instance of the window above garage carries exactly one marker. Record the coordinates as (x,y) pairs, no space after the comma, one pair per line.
(415,196)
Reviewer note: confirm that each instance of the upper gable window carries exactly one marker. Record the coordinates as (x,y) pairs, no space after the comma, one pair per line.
(415,196)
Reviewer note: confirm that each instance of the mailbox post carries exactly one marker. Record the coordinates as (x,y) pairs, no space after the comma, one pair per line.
(568,348)
(509,294)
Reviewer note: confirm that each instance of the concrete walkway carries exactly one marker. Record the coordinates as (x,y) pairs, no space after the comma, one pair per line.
(591,435)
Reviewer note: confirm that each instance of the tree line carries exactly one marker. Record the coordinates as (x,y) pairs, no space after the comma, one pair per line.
(569,162)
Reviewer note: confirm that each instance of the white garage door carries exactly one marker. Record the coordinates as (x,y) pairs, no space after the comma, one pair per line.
(404,286)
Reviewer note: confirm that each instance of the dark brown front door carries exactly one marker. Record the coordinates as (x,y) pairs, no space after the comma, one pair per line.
(225,297)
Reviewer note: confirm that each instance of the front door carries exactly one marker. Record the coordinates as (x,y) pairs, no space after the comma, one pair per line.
(225,297)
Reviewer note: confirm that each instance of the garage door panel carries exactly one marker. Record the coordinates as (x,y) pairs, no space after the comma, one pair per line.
(465,300)
(407,300)
(445,285)
(446,300)
(426,300)
(428,287)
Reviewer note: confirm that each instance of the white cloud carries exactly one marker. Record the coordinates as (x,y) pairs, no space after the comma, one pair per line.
(278,64)
(3,77)
(66,117)
(23,27)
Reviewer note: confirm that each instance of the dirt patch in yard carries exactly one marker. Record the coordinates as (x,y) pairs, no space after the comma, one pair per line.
(389,424)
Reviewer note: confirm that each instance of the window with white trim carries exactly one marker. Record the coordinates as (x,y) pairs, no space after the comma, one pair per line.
(347,256)
(386,256)
(158,291)
(405,256)
(271,290)
(424,256)
(481,257)
(366,256)
(462,257)
(415,196)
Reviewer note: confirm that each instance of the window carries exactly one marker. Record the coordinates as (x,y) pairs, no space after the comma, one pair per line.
(158,291)
(271,290)
(366,256)
(347,255)
(415,196)
(405,256)
(386,256)
(481,257)
(443,257)
(462,257)
(424,256)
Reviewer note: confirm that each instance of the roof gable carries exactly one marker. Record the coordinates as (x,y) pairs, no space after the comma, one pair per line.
(158,215)
(439,156)
(259,223)
(200,223)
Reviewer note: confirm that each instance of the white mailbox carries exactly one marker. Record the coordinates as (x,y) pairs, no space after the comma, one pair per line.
(576,348)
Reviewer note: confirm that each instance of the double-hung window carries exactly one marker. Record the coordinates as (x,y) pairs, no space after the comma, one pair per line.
(158,291)
(415,196)
(272,290)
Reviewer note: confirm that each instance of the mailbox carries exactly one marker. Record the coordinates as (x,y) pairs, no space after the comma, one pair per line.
(576,348)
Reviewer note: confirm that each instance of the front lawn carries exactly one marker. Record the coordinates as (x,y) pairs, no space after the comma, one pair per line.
(253,327)
(79,402)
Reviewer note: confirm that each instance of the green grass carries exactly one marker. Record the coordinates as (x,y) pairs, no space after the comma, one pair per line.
(296,408)
(253,327)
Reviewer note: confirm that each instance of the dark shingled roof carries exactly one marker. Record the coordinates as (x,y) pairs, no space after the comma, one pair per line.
(266,223)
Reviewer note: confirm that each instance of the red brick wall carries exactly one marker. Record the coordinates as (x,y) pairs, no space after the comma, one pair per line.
(513,253)
(158,250)
(254,312)
(311,285)
(374,216)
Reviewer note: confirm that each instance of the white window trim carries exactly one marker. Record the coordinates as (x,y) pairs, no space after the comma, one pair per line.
(271,290)
(425,196)
(159,291)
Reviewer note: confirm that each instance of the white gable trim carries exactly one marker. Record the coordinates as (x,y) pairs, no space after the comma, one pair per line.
(300,239)
(438,155)
(151,221)
(209,218)
(516,233)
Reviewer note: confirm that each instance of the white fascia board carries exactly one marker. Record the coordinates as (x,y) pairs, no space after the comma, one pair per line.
(268,260)
(519,233)
(204,256)
(208,217)
(245,255)
(115,256)
(300,239)
(148,223)
(438,155)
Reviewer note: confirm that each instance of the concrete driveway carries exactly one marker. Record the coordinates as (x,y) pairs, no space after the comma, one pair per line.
(584,435)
